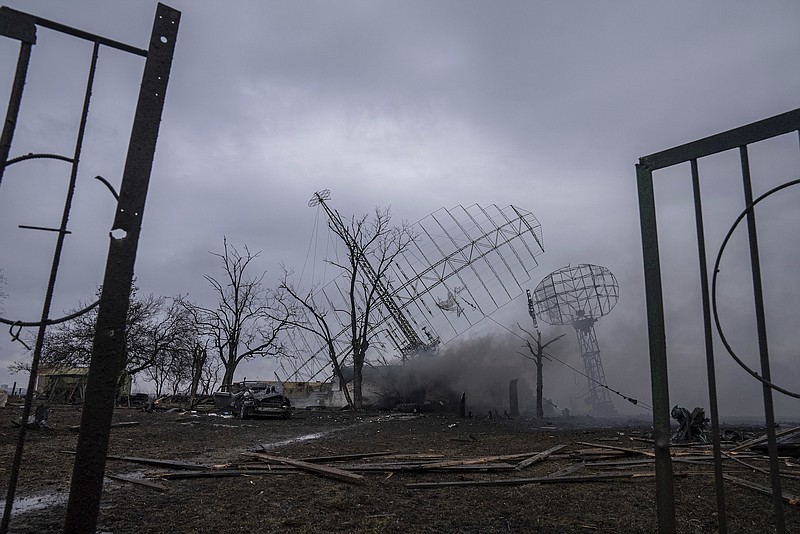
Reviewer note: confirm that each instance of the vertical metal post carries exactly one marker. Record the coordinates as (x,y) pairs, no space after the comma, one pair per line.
(712,377)
(108,351)
(763,346)
(665,495)
(18,26)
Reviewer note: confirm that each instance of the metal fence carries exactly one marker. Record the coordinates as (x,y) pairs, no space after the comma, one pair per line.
(736,139)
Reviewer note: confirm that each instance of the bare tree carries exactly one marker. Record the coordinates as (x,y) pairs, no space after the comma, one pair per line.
(244,324)
(537,355)
(156,329)
(372,244)
(307,315)
(3,293)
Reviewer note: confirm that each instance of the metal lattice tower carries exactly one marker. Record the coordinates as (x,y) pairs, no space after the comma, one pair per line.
(579,296)
(462,265)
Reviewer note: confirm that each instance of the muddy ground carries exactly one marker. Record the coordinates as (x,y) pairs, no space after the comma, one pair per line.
(280,501)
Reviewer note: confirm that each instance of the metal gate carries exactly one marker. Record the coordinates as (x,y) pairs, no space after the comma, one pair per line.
(736,139)
(108,349)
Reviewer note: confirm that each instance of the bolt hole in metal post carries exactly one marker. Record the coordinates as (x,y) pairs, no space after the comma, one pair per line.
(118,233)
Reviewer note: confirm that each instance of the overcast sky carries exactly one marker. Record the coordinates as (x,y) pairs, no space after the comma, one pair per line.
(420,105)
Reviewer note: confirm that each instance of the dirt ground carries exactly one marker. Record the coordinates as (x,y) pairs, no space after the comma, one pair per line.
(280,501)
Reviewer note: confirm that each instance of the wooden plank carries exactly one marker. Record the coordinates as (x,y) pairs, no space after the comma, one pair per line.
(615,448)
(324,470)
(524,481)
(145,483)
(366,468)
(341,457)
(223,473)
(470,461)
(153,461)
(536,458)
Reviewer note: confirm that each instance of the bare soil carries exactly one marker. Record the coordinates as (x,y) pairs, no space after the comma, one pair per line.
(277,501)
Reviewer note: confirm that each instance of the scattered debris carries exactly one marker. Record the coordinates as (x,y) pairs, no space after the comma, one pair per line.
(692,425)
(327,471)
(36,421)
(536,458)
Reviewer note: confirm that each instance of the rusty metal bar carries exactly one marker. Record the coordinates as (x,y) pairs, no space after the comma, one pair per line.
(719,482)
(74,32)
(665,493)
(17,26)
(763,345)
(108,351)
(744,135)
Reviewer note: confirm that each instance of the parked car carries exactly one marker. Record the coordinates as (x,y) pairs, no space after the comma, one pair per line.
(248,399)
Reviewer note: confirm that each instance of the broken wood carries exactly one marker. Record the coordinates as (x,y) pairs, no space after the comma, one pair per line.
(340,457)
(763,438)
(759,469)
(145,483)
(223,473)
(469,461)
(538,457)
(524,481)
(622,449)
(365,468)
(323,470)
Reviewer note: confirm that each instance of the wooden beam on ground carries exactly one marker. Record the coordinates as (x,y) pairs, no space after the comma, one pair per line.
(536,458)
(223,473)
(763,438)
(145,483)
(524,481)
(366,468)
(622,449)
(471,461)
(324,470)
(342,457)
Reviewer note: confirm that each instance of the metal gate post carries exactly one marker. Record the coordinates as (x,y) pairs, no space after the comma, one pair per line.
(108,351)
(665,493)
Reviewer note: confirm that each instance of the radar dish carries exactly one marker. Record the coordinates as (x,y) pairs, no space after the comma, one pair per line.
(578,296)
(570,293)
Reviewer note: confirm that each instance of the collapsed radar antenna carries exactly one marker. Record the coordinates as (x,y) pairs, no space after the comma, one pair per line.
(462,265)
(579,296)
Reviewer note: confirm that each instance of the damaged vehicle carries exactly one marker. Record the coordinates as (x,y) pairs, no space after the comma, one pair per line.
(248,399)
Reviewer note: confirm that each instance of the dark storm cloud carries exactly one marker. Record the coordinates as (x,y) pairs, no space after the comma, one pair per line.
(415,104)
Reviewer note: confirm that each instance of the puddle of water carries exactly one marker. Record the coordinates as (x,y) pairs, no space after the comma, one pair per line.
(37,502)
(292,441)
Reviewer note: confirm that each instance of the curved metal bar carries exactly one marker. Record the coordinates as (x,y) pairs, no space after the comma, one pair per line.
(50,321)
(39,156)
(108,185)
(724,340)
(15,335)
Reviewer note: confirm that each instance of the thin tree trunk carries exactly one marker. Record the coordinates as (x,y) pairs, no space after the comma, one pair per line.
(539,377)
